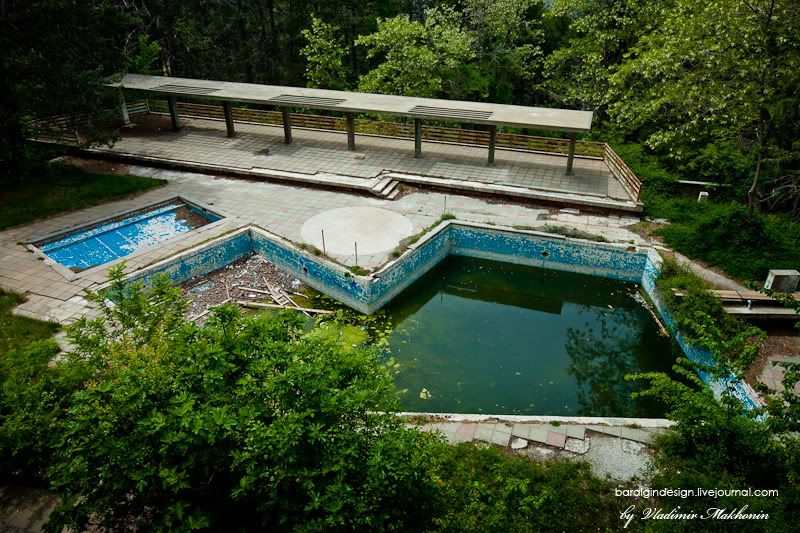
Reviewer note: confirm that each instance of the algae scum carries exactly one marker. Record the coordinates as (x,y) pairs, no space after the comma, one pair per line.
(477,336)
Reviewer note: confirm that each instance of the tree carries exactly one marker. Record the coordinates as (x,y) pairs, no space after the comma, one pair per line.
(712,72)
(324,53)
(600,35)
(56,58)
(508,45)
(239,423)
(417,58)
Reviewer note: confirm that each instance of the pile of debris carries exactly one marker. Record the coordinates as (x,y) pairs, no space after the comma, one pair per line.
(248,282)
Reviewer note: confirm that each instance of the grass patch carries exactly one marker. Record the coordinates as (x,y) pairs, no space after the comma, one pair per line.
(700,315)
(18,331)
(358,271)
(53,188)
(724,235)
(405,243)
(575,233)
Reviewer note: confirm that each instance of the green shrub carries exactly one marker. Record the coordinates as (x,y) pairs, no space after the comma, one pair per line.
(725,235)
(241,423)
(34,398)
(720,445)
(487,490)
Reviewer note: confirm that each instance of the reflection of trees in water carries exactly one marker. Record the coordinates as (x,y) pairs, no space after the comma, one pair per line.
(601,354)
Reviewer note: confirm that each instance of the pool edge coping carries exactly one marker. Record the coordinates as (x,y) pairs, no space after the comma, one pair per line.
(70,275)
(543,419)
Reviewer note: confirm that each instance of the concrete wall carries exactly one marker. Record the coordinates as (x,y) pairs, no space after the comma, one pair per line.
(368,294)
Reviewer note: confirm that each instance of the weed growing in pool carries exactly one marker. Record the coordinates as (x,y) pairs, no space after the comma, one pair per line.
(413,239)
(358,271)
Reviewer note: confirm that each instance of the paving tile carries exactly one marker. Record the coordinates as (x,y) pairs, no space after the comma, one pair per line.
(520,430)
(484,432)
(574,431)
(538,434)
(503,428)
(500,438)
(556,439)
(467,429)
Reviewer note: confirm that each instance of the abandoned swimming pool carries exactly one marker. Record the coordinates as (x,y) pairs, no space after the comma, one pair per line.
(606,342)
(111,239)
(478,336)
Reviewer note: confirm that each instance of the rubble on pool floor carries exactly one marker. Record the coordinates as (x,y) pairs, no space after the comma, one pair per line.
(234,282)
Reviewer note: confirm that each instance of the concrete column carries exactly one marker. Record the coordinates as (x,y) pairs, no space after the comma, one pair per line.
(492,141)
(351,131)
(571,154)
(173,113)
(417,138)
(227,108)
(123,107)
(287,125)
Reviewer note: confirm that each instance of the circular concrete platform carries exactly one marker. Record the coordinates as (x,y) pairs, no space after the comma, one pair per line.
(374,229)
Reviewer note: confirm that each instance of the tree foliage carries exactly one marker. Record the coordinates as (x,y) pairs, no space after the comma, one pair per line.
(323,53)
(417,58)
(599,37)
(241,422)
(712,71)
(55,59)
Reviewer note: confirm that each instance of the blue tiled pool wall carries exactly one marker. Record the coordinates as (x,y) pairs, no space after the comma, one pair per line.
(409,268)
(352,291)
(699,355)
(368,296)
(539,251)
(201,261)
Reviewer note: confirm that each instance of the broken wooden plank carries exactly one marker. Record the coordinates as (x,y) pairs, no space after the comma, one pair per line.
(257,305)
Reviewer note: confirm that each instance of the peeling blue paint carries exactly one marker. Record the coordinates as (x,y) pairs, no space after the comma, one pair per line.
(367,295)
(111,239)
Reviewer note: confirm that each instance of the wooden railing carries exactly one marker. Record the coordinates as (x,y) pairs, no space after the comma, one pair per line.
(61,129)
(621,171)
(64,129)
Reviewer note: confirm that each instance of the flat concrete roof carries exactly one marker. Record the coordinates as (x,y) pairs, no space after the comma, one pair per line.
(353,102)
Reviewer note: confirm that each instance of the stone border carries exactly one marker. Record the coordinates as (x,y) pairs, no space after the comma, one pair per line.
(69,275)
(542,419)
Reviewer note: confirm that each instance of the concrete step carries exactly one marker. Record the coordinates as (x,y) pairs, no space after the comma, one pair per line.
(391,188)
(395,193)
(379,187)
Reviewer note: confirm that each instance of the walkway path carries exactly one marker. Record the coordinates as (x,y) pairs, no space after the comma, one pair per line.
(281,209)
(613,449)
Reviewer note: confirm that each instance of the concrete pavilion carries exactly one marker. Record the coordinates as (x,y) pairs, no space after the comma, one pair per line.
(350,103)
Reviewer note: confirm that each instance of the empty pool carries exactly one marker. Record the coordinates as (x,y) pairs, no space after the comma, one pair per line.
(111,239)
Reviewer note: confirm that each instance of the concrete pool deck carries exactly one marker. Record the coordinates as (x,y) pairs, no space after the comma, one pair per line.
(281,209)
(317,157)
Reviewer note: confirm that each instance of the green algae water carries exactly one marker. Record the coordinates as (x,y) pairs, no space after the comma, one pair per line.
(477,336)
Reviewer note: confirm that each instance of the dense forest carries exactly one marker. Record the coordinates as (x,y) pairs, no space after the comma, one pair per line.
(709,88)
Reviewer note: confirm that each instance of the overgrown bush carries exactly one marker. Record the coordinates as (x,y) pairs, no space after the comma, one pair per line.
(487,490)
(239,423)
(718,444)
(725,235)
(700,316)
